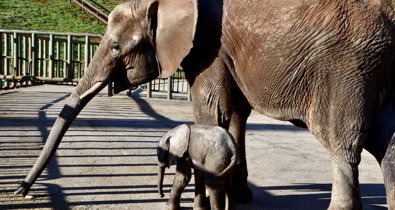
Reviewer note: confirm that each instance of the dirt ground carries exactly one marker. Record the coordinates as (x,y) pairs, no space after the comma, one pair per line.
(107,158)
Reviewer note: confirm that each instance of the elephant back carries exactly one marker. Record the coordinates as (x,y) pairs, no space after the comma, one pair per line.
(212,149)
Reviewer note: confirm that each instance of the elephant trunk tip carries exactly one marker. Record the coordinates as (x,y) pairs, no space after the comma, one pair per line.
(23,189)
(160,180)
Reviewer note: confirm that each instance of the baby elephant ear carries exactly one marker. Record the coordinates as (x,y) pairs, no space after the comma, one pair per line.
(175,31)
(179,141)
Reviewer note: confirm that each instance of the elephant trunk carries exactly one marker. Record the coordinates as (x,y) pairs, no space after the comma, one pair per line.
(86,89)
(161,175)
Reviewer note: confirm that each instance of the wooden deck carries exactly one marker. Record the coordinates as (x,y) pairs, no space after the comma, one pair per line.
(107,159)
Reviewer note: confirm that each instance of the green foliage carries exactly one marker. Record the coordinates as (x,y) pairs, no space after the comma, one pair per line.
(107,5)
(391,3)
(50,15)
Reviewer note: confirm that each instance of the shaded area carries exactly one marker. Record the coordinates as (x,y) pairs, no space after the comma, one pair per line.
(310,196)
(107,159)
(19,149)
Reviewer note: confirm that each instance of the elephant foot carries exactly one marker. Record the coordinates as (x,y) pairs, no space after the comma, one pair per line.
(200,208)
(172,206)
(241,193)
(345,206)
(201,203)
(23,189)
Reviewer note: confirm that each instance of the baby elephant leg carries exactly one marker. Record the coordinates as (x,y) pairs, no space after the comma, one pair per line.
(200,202)
(181,179)
(216,190)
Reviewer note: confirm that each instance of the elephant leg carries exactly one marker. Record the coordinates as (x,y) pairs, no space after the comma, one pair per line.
(181,179)
(381,145)
(388,168)
(345,185)
(231,204)
(345,147)
(237,128)
(200,202)
(217,194)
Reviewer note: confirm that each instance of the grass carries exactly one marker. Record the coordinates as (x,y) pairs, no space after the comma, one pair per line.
(50,15)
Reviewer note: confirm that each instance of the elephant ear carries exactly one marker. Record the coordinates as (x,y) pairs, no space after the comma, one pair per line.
(179,141)
(175,30)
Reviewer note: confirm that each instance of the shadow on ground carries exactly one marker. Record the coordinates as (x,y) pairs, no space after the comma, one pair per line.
(26,124)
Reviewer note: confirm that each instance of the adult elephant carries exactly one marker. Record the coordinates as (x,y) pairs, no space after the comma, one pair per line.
(323,64)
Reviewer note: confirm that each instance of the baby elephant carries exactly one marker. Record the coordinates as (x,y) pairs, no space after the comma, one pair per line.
(210,151)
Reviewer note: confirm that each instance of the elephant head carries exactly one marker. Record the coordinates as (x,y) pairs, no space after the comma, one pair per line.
(143,40)
(172,146)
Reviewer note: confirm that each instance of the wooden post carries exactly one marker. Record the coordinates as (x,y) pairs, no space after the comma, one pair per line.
(1,56)
(149,90)
(69,71)
(1,59)
(25,55)
(57,59)
(169,87)
(79,61)
(6,54)
(25,59)
(15,48)
(86,54)
(33,55)
(50,56)
(44,56)
(110,89)
(65,63)
(40,58)
(189,92)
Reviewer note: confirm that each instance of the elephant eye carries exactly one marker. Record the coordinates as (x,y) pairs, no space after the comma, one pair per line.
(115,48)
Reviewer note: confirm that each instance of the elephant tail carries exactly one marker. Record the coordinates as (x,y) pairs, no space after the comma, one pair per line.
(229,169)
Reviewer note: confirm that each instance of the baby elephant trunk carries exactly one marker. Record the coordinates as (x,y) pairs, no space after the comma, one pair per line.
(161,175)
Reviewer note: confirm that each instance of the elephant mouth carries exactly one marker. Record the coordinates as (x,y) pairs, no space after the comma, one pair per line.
(131,79)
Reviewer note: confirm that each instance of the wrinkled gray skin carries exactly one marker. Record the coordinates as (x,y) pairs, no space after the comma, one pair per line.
(322,64)
(210,151)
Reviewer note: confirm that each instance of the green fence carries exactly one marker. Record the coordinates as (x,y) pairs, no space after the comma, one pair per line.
(34,57)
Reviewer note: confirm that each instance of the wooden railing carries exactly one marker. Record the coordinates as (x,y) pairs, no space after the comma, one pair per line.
(35,57)
(93,10)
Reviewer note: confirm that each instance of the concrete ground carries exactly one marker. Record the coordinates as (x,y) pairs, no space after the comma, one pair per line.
(107,158)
